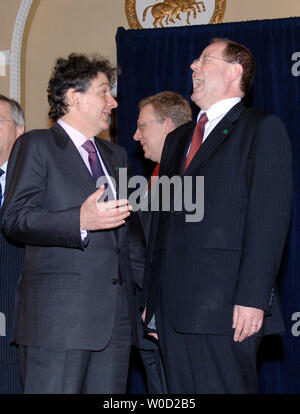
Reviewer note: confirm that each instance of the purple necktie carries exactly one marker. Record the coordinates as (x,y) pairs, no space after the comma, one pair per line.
(97,172)
(1,195)
(96,168)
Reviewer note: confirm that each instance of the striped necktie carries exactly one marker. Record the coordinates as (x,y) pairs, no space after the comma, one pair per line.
(96,168)
(196,140)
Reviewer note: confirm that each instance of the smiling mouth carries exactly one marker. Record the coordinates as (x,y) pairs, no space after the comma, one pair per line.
(198,82)
(144,146)
(106,114)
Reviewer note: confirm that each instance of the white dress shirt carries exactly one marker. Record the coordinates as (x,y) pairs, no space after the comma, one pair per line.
(79,139)
(216,112)
(3,181)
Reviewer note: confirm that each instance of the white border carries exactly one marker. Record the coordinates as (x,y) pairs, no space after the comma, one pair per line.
(15,49)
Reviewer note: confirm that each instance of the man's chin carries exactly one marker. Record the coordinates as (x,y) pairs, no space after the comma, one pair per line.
(195,98)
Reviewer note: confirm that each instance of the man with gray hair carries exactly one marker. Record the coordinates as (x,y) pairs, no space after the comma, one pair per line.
(158,115)
(12,125)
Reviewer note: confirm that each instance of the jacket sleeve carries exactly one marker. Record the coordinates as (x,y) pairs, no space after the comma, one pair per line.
(269,176)
(26,218)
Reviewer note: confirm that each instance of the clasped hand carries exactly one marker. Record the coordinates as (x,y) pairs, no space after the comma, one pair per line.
(246,321)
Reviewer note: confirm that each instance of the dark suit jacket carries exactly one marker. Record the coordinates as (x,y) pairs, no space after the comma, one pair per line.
(233,255)
(11,262)
(67,294)
(139,238)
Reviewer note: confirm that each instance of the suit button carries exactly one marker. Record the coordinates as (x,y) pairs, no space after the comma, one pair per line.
(114,281)
(117,250)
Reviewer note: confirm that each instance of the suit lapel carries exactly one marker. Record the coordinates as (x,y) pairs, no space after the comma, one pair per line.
(109,160)
(145,216)
(74,165)
(221,132)
(180,141)
(72,161)
(111,163)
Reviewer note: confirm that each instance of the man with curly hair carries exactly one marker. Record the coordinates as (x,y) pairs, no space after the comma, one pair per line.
(75,307)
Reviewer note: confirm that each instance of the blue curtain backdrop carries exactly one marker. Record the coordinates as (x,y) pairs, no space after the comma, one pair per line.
(154,60)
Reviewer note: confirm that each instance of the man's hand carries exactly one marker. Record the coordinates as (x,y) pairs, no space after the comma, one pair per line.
(149,333)
(103,215)
(246,322)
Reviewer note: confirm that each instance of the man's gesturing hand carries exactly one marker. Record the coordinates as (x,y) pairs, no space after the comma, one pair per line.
(246,322)
(103,215)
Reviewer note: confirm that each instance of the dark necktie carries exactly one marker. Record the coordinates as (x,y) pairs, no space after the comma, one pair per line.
(95,165)
(96,168)
(196,140)
(154,176)
(1,195)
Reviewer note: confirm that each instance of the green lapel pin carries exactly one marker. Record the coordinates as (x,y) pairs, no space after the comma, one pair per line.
(225,131)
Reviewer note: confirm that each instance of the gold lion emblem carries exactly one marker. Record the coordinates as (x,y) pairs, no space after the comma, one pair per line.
(171,9)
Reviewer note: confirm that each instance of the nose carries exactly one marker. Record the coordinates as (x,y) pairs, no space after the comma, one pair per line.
(114,103)
(137,135)
(195,65)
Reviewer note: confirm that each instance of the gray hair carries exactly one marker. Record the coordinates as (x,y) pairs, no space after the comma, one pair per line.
(17,113)
(169,105)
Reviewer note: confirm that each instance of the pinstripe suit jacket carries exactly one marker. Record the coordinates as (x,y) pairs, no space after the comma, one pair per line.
(11,262)
(232,256)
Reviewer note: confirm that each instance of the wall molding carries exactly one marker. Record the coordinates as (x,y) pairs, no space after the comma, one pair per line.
(6,54)
(15,50)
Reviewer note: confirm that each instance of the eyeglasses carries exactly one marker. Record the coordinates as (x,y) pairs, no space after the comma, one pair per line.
(2,120)
(141,126)
(203,60)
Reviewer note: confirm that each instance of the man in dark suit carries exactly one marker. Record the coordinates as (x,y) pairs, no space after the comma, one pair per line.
(210,283)
(76,306)
(11,254)
(159,115)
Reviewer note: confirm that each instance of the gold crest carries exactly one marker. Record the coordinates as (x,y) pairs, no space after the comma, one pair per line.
(170,13)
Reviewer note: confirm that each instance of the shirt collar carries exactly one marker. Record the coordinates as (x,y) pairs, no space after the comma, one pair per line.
(76,136)
(4,167)
(220,108)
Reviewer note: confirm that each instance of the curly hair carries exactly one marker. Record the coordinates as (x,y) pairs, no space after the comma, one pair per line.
(77,71)
(169,105)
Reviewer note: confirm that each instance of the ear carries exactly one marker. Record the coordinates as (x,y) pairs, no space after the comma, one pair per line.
(20,130)
(72,98)
(235,72)
(169,126)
